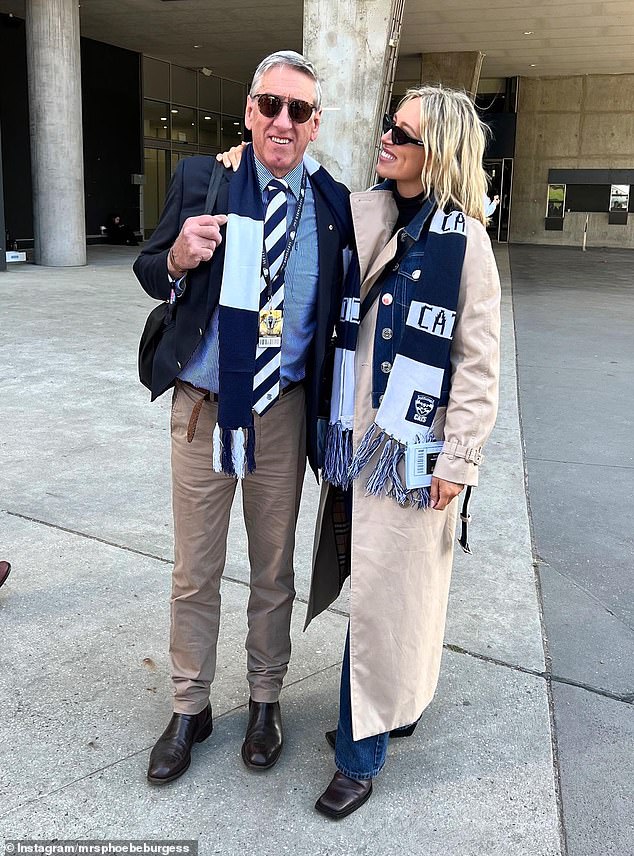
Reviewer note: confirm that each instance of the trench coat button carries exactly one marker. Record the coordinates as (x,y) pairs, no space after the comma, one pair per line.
(386,333)
(386,367)
(387,299)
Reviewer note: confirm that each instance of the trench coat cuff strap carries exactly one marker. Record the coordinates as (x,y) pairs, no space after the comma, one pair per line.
(471,454)
(456,469)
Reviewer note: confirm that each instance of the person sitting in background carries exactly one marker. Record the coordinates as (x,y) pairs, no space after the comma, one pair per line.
(119,233)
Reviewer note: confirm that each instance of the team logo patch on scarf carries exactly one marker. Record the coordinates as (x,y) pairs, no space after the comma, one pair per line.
(419,376)
(422,409)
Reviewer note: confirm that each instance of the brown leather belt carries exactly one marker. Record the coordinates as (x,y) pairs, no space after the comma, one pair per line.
(213,396)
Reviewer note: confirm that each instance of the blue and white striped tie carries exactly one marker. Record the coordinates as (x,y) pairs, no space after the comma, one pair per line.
(266,382)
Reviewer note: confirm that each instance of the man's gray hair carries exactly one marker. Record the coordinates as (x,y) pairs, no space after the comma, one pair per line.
(292,59)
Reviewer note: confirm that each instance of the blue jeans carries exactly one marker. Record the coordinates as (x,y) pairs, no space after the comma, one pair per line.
(357,759)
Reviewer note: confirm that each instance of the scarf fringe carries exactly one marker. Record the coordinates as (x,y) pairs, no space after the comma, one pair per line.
(226,458)
(338,455)
(420,497)
(238,452)
(371,441)
(377,483)
(216,447)
(250,449)
(384,478)
(397,491)
(233,451)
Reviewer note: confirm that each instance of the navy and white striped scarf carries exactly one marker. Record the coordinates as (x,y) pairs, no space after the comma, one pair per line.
(238,315)
(420,376)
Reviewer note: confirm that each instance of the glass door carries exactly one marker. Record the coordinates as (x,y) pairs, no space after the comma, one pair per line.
(501,174)
(157,172)
(505,200)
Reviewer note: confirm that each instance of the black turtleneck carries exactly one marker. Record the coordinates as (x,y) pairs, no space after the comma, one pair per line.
(408,207)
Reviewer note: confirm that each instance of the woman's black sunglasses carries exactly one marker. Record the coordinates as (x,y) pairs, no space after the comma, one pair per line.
(271,106)
(399,137)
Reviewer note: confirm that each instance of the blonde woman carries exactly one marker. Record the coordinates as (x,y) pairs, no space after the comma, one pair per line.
(415,384)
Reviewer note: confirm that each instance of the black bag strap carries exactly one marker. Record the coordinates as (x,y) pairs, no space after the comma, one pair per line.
(465,519)
(217,171)
(405,244)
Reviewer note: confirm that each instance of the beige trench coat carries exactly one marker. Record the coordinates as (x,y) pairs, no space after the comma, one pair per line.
(401,558)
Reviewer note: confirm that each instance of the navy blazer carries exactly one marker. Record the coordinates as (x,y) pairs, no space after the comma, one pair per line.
(186,198)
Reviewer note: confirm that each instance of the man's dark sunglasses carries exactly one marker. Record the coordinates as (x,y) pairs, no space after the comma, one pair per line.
(399,137)
(271,106)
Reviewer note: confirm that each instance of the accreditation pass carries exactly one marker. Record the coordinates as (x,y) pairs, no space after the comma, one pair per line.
(270,328)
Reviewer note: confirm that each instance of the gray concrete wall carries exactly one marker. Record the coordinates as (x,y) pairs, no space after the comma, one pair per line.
(575,123)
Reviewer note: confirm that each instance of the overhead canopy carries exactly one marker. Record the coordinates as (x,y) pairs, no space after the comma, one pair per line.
(542,38)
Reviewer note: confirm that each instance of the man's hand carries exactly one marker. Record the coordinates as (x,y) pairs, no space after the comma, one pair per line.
(442,492)
(233,157)
(196,243)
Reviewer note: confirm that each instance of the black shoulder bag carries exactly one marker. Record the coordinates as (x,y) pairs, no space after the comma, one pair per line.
(163,314)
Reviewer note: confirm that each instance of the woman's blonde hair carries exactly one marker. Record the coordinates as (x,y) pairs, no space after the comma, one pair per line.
(454,138)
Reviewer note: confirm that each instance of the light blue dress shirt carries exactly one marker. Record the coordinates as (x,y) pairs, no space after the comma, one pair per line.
(300,295)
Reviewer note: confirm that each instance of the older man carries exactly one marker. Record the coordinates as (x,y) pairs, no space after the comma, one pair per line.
(255,302)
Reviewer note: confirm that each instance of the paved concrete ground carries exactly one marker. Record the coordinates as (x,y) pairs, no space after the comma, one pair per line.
(85,520)
(574,315)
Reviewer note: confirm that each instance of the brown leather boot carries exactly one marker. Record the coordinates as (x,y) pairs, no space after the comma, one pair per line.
(263,739)
(171,755)
(343,796)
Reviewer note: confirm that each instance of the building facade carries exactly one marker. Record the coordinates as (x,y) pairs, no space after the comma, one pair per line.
(561,156)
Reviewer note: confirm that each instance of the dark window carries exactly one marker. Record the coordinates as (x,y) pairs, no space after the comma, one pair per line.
(588,197)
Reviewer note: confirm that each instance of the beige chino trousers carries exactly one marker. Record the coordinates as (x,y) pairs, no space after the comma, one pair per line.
(202,501)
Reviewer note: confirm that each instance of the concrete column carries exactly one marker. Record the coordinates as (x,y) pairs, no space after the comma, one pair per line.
(458,70)
(54,71)
(353,44)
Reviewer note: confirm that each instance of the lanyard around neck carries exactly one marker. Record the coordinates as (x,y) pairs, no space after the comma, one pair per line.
(292,235)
